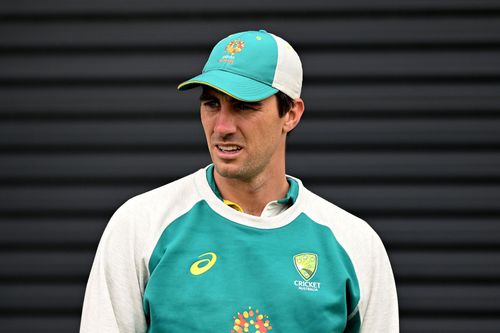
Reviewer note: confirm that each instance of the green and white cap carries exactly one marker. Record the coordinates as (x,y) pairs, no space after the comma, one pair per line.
(251,66)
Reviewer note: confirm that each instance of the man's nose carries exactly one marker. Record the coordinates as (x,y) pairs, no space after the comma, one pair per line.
(225,122)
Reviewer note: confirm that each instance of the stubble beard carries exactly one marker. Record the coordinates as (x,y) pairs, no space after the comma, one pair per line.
(244,172)
(252,167)
(248,171)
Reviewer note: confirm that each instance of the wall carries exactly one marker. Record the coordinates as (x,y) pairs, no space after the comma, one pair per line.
(402,128)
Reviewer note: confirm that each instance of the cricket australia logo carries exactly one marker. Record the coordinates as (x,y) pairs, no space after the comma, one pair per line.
(306,265)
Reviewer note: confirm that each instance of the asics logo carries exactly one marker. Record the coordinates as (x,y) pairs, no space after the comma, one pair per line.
(198,269)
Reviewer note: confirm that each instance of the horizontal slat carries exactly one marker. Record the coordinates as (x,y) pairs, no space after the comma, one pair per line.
(355,198)
(97,101)
(188,133)
(40,324)
(95,67)
(460,324)
(40,297)
(316,65)
(437,232)
(52,231)
(101,166)
(326,100)
(175,132)
(401,98)
(330,165)
(400,232)
(362,166)
(397,132)
(444,265)
(414,265)
(27,199)
(416,198)
(434,298)
(46,264)
(155,6)
(336,32)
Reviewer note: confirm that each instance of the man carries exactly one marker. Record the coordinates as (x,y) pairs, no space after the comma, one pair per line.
(239,246)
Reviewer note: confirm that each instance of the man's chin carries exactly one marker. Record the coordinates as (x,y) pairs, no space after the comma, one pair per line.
(229,170)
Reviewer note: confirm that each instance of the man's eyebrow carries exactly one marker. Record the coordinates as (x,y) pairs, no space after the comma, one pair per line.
(206,96)
(256,103)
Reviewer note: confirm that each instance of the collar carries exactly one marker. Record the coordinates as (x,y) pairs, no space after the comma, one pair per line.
(272,208)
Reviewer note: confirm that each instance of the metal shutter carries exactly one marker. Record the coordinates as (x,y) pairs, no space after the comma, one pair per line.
(402,128)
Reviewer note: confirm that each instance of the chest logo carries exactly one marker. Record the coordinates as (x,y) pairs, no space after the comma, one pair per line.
(203,265)
(306,264)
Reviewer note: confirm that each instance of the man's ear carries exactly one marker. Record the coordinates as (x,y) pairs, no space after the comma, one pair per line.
(293,116)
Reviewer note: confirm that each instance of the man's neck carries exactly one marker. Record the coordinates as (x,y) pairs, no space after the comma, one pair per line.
(253,195)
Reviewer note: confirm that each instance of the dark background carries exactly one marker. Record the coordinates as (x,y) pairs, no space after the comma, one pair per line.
(402,128)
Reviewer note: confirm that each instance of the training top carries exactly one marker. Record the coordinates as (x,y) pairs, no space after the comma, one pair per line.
(178,259)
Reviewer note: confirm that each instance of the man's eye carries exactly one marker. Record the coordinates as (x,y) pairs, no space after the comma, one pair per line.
(211,104)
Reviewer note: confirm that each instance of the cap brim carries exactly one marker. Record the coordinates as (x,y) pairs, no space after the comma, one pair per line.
(234,85)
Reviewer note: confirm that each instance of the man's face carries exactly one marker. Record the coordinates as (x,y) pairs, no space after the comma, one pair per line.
(245,139)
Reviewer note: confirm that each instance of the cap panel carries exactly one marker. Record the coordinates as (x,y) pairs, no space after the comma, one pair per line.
(288,75)
(253,54)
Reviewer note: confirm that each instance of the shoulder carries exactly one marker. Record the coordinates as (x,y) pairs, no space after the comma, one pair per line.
(138,223)
(342,223)
(152,209)
(174,193)
(361,243)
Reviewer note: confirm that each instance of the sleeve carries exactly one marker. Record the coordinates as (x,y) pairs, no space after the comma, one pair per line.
(114,293)
(379,311)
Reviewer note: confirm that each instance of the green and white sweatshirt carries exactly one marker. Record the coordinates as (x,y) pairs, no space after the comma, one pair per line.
(178,259)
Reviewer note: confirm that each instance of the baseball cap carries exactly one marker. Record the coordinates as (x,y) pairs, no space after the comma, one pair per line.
(251,66)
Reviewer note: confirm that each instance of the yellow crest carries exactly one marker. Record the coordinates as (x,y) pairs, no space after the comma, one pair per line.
(306,264)
(235,46)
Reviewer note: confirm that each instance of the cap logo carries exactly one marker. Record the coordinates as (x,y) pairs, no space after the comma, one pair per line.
(235,46)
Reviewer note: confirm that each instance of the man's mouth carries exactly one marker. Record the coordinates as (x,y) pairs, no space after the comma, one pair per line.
(228,148)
